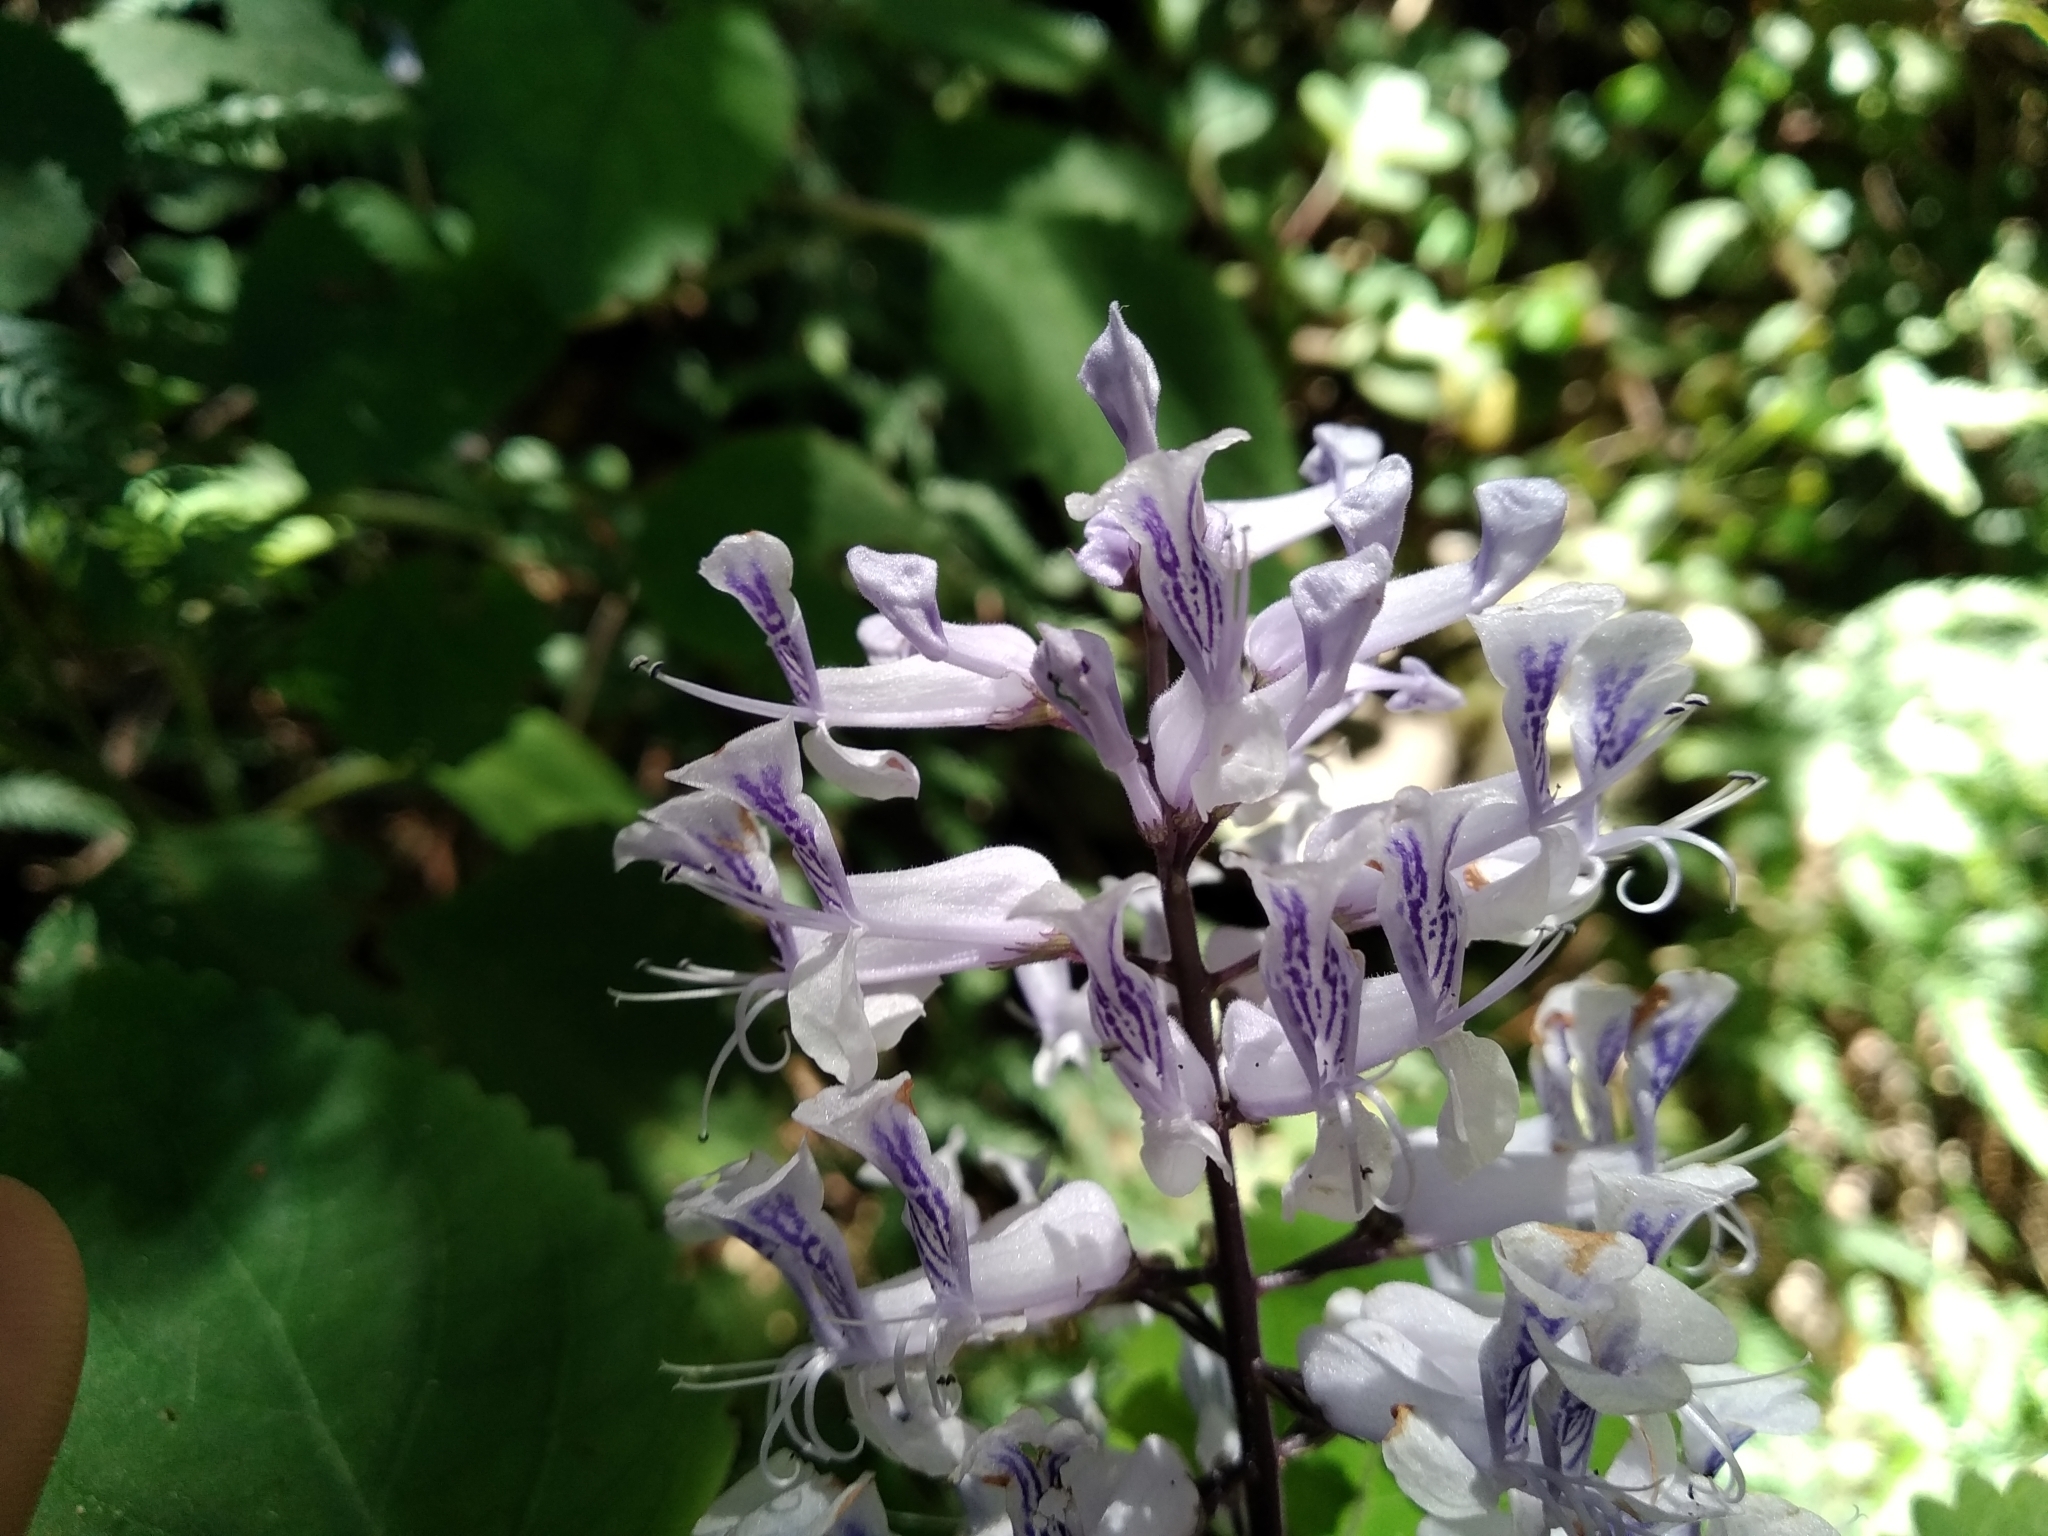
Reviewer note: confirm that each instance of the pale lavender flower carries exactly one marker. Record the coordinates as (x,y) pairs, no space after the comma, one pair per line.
(1486,1405)
(1035,1478)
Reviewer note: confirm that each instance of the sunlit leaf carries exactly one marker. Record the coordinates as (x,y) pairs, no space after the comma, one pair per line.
(43,802)
(541,775)
(1689,239)
(1017,302)
(273,48)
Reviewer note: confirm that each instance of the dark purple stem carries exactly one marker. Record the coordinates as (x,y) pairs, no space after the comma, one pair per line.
(1237,1289)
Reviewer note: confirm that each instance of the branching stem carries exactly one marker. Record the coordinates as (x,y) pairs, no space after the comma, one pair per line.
(1237,1291)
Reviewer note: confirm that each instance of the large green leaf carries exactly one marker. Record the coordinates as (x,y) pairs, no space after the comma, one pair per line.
(44,226)
(426,659)
(267,899)
(1026,44)
(991,166)
(271,48)
(336,1290)
(43,802)
(60,159)
(814,493)
(598,148)
(1015,305)
(509,977)
(540,776)
(1982,1510)
(59,111)
(369,346)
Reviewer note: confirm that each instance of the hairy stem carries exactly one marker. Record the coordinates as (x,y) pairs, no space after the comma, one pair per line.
(1237,1290)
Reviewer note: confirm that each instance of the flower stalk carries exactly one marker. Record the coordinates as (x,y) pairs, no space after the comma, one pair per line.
(1237,1288)
(1486,1407)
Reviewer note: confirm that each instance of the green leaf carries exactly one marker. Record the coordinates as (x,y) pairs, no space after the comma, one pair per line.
(369,346)
(60,160)
(541,775)
(336,1290)
(1689,239)
(426,659)
(264,898)
(59,112)
(1015,305)
(63,946)
(597,148)
(814,493)
(988,166)
(270,48)
(42,802)
(2006,1079)
(1982,1510)
(509,979)
(44,227)
(1024,44)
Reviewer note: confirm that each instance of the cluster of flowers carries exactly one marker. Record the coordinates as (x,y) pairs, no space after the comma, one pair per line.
(1451,1382)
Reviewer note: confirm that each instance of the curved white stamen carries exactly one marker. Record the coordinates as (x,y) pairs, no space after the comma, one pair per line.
(738,701)
(1520,970)
(1674,880)
(1403,1159)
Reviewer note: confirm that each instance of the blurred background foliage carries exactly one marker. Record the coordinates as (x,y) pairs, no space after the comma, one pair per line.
(373,375)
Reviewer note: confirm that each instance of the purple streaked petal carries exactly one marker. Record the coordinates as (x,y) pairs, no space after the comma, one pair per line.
(1627,676)
(1122,380)
(1528,647)
(1579,1032)
(1075,672)
(1027,1265)
(720,840)
(1190,582)
(1312,974)
(1149,1052)
(1657,1209)
(1565,1423)
(1670,1021)
(1421,904)
(904,589)
(879,1122)
(756,569)
(762,770)
(780,1213)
